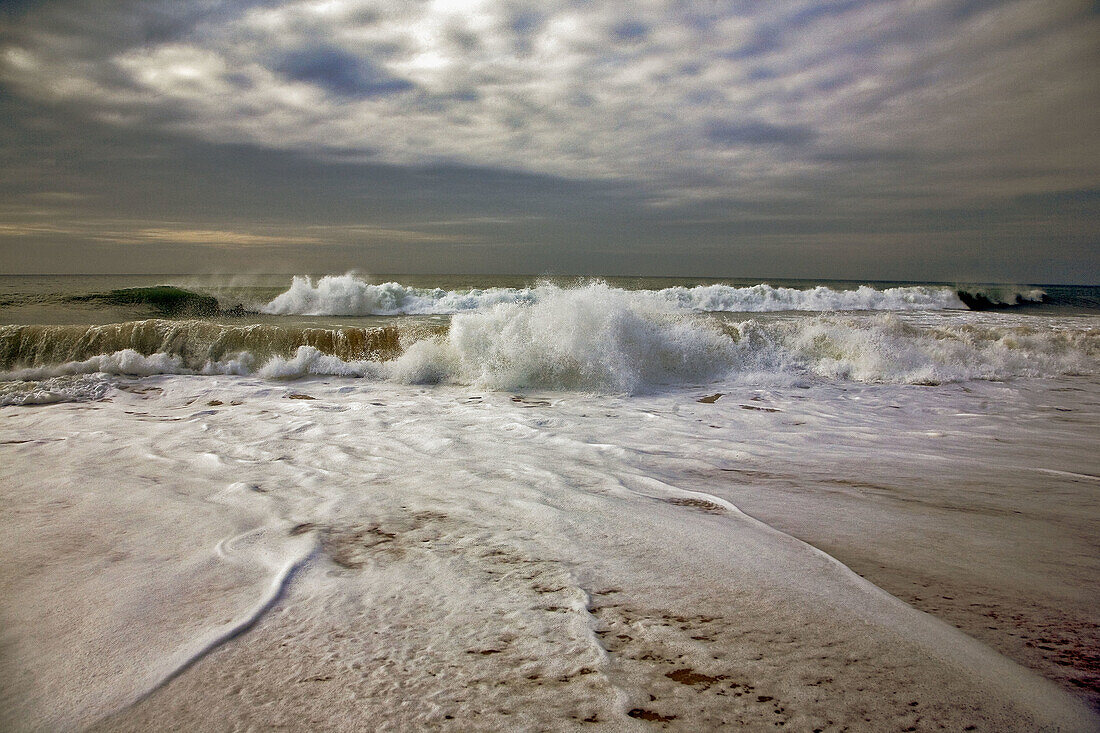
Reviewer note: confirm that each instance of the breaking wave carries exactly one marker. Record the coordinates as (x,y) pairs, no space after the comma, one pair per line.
(593,338)
(192,343)
(348,295)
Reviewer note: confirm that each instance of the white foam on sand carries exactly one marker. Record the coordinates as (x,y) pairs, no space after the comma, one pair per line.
(43,391)
(229,551)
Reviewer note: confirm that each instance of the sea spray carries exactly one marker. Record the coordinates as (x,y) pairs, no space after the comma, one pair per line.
(589,338)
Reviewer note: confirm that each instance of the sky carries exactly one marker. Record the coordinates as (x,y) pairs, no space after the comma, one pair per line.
(851,139)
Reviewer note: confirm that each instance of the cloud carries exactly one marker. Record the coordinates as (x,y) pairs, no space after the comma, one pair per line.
(629,31)
(672,96)
(340,72)
(758,133)
(212,237)
(812,105)
(137,232)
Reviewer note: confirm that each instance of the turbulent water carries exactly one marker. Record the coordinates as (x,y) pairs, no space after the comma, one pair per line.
(629,336)
(508,504)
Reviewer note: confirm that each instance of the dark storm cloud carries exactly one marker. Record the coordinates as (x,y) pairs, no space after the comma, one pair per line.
(340,72)
(758,133)
(884,138)
(629,30)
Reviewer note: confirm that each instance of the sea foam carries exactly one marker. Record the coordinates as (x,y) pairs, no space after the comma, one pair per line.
(78,388)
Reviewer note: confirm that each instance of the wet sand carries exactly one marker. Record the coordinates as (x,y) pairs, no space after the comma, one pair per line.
(1006,550)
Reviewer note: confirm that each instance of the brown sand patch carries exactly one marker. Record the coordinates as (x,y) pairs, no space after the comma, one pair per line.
(688,676)
(706,506)
(138,389)
(524,402)
(348,549)
(643,714)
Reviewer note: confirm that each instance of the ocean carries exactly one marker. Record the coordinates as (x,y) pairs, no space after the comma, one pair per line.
(510,503)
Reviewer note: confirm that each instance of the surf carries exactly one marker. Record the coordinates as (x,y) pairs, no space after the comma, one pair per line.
(591,338)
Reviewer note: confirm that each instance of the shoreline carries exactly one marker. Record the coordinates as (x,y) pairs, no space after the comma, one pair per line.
(1060,641)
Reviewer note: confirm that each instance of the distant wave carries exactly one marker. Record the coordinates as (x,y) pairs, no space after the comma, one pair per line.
(592,338)
(167,300)
(990,297)
(348,295)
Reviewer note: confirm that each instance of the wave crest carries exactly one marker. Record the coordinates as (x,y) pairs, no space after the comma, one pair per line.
(764,298)
(348,295)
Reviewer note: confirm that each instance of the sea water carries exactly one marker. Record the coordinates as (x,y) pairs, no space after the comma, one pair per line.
(509,503)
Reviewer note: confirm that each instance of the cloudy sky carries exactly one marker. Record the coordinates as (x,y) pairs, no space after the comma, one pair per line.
(916,139)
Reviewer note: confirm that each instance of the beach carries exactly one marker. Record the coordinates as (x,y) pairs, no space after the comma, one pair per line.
(867,541)
(502,365)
